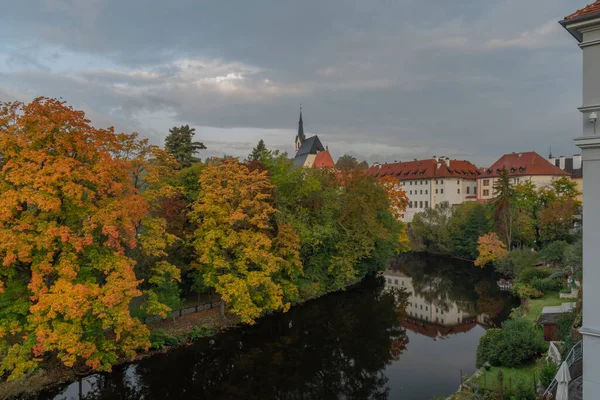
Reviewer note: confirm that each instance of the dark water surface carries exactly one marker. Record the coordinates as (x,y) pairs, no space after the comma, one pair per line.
(406,335)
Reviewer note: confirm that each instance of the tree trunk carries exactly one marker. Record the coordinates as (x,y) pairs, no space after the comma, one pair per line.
(222,309)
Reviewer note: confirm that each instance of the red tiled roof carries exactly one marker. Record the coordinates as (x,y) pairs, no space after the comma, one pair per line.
(426,169)
(591,9)
(523,164)
(323,160)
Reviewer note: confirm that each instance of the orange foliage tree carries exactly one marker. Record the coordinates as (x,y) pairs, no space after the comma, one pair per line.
(396,195)
(68,214)
(491,249)
(244,252)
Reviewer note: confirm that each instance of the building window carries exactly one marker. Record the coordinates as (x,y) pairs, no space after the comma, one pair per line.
(426,204)
(458,191)
(486,182)
(468,189)
(410,183)
(442,191)
(486,192)
(427,192)
(421,306)
(389,280)
(421,192)
(458,181)
(436,191)
(442,182)
(410,204)
(420,204)
(395,281)
(411,192)
(436,181)
(426,309)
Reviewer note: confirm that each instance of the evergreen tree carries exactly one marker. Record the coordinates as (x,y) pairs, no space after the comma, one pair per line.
(503,203)
(346,161)
(180,145)
(259,153)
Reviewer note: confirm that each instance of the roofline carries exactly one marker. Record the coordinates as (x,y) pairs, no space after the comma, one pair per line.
(582,18)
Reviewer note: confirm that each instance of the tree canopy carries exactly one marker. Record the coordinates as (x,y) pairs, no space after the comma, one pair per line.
(179,143)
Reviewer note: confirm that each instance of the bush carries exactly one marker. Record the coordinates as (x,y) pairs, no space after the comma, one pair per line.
(201,331)
(529,274)
(547,285)
(160,338)
(527,292)
(522,391)
(547,373)
(517,343)
(487,350)
(554,253)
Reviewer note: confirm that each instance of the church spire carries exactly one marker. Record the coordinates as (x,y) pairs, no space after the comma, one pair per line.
(300,138)
(301,127)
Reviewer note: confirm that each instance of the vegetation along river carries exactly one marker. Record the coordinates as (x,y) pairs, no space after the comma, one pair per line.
(405,335)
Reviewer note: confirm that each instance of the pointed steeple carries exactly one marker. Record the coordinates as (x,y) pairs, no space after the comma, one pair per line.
(300,138)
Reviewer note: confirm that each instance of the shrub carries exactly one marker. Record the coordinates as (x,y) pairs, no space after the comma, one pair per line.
(160,338)
(546,285)
(528,274)
(200,332)
(515,344)
(554,252)
(522,391)
(547,373)
(527,292)
(520,342)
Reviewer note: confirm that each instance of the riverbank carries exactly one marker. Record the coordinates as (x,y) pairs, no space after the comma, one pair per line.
(179,332)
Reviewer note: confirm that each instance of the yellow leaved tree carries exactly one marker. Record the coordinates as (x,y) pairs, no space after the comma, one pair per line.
(243,251)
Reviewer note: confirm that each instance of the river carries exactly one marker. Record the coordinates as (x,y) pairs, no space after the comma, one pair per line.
(406,335)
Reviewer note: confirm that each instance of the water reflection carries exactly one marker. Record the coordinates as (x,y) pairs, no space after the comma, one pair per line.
(369,342)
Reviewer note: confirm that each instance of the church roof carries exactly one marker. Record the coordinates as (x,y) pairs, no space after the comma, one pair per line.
(299,161)
(311,145)
(324,160)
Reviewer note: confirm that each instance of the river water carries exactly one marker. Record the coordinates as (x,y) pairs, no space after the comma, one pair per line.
(407,335)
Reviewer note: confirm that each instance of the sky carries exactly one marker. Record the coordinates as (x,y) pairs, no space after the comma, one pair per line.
(383,80)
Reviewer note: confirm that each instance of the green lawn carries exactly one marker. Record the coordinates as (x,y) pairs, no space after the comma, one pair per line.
(536,305)
(511,377)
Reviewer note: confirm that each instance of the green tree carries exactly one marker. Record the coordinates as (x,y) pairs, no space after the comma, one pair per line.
(468,222)
(429,229)
(363,165)
(554,252)
(346,162)
(179,143)
(503,203)
(259,153)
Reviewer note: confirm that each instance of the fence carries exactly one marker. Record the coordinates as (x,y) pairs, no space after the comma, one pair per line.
(184,311)
(573,360)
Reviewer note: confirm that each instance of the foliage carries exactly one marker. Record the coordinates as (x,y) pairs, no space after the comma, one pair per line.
(243,251)
(529,274)
(525,291)
(505,213)
(396,196)
(491,249)
(546,285)
(469,221)
(517,343)
(160,338)
(556,220)
(517,261)
(259,153)
(179,143)
(347,162)
(547,373)
(573,256)
(69,213)
(201,331)
(554,252)
(430,228)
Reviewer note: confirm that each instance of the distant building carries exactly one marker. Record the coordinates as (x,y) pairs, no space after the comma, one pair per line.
(310,152)
(431,182)
(574,166)
(521,167)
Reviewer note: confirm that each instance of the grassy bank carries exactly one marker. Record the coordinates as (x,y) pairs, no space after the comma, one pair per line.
(535,306)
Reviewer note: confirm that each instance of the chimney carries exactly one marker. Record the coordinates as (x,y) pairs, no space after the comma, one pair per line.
(562,163)
(577,161)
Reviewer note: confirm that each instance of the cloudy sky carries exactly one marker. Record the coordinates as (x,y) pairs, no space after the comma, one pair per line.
(384,80)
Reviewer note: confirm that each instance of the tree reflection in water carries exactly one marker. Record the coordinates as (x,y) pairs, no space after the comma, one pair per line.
(334,347)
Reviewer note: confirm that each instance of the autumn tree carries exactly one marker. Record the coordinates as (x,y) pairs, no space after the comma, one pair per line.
(491,249)
(179,143)
(68,215)
(556,220)
(243,250)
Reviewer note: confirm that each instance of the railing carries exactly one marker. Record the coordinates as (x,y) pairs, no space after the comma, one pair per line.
(185,311)
(576,354)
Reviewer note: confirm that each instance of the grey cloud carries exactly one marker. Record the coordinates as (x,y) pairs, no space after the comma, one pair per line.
(412,77)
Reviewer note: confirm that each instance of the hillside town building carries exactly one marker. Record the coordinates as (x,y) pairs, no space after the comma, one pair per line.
(521,167)
(431,182)
(574,166)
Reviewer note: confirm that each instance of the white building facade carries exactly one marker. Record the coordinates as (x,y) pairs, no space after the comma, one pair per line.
(431,182)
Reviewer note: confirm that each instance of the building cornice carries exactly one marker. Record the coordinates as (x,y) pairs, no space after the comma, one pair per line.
(588,142)
(585,331)
(589,108)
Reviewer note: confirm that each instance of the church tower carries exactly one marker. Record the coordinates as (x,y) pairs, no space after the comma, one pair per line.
(300,138)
